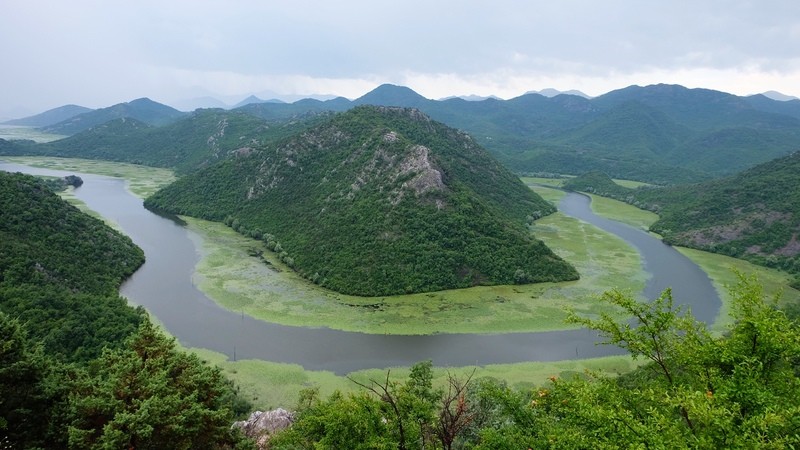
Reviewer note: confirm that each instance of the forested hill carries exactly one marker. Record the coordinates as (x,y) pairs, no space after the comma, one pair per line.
(142,109)
(753,215)
(378,201)
(58,262)
(195,140)
(50,117)
(79,368)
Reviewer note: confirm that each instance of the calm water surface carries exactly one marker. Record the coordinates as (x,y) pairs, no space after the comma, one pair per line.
(164,286)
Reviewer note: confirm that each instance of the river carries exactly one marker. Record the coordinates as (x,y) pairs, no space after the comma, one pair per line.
(163,285)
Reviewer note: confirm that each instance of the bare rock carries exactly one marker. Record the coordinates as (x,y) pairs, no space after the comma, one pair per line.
(261,425)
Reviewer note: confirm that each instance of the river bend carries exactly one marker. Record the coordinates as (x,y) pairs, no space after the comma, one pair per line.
(163,285)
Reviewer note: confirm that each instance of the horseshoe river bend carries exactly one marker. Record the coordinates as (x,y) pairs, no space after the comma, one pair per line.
(163,285)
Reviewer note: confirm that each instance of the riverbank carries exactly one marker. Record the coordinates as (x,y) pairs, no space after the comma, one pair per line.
(262,287)
(268,381)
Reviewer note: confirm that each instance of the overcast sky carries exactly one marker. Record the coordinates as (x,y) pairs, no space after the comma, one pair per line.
(98,53)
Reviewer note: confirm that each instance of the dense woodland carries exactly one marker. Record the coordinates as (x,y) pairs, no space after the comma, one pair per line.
(79,368)
(378,201)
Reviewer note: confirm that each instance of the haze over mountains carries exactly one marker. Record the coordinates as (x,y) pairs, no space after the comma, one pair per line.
(643,133)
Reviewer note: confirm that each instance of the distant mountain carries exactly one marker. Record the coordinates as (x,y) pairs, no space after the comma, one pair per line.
(286,111)
(198,139)
(695,108)
(471,98)
(661,134)
(378,201)
(789,107)
(571,134)
(254,99)
(550,92)
(143,109)
(775,95)
(391,95)
(631,130)
(50,117)
(192,104)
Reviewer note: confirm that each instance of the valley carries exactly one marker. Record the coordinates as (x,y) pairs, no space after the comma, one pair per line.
(342,248)
(226,273)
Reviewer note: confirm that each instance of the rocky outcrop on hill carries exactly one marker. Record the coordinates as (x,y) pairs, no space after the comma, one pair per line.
(261,425)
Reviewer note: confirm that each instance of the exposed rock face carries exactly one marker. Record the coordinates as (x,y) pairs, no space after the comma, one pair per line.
(263,424)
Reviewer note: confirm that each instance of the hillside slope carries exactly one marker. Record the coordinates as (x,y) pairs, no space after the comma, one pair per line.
(142,109)
(196,140)
(378,201)
(753,215)
(60,271)
(50,117)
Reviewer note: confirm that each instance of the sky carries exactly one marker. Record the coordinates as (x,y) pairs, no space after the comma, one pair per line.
(97,53)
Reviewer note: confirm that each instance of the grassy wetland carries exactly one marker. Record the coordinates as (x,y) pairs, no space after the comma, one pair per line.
(262,287)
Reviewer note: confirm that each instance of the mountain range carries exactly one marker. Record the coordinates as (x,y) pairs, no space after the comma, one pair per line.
(660,133)
(143,109)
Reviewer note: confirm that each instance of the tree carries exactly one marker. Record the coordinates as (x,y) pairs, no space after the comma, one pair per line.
(456,413)
(410,405)
(696,390)
(23,400)
(150,395)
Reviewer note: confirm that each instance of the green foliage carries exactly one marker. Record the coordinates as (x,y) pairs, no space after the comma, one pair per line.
(23,399)
(60,270)
(148,394)
(386,415)
(739,390)
(754,215)
(59,274)
(597,183)
(696,390)
(378,201)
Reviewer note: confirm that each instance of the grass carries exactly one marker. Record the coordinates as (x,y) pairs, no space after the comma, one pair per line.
(630,184)
(271,385)
(622,212)
(12,132)
(270,292)
(549,182)
(142,180)
(558,182)
(723,273)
